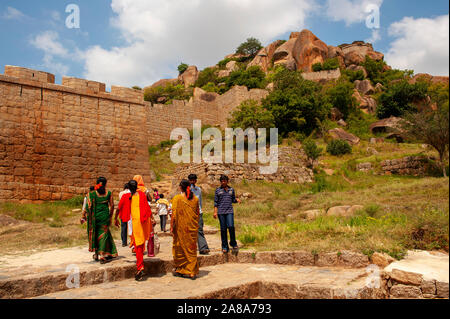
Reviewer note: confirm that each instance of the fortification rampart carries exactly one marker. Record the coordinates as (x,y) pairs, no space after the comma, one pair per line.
(55,140)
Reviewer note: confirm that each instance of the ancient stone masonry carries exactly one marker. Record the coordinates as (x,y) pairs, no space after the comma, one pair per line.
(55,140)
(411,165)
(291,169)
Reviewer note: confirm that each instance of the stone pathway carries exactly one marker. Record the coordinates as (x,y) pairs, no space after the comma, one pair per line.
(51,261)
(227,280)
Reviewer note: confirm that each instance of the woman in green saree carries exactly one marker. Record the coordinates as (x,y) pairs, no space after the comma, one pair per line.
(100,208)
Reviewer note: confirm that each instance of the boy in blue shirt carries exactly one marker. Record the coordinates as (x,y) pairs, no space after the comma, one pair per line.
(224,198)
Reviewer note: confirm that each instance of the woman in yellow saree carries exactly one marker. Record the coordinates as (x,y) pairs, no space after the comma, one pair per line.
(184,227)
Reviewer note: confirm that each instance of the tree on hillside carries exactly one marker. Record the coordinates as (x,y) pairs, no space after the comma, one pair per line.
(250,114)
(182,68)
(399,97)
(340,96)
(296,104)
(431,126)
(250,47)
(312,151)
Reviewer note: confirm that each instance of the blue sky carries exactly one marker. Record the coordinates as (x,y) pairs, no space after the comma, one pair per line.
(137,42)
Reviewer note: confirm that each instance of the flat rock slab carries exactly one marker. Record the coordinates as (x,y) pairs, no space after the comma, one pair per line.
(432,265)
(50,261)
(222,281)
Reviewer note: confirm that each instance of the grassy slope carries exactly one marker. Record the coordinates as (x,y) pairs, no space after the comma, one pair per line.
(400,212)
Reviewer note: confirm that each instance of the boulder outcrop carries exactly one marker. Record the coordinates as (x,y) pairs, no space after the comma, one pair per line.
(340,134)
(301,51)
(190,76)
(356,52)
(264,57)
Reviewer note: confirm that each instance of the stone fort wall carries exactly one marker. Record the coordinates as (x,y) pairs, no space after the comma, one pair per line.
(55,140)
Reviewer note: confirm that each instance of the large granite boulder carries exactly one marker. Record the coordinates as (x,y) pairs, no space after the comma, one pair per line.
(283,55)
(367,104)
(336,52)
(365,87)
(356,52)
(385,125)
(355,67)
(309,50)
(301,51)
(164,83)
(190,76)
(264,57)
(340,134)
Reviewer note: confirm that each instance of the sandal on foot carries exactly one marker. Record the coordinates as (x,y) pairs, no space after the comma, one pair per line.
(139,275)
(95,257)
(225,251)
(235,250)
(104,260)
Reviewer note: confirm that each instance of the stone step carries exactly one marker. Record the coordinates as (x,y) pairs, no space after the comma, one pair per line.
(50,279)
(237,281)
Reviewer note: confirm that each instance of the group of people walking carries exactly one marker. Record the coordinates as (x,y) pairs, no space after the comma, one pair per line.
(136,220)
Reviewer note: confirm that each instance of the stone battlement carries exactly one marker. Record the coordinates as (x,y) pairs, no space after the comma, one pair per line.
(35,78)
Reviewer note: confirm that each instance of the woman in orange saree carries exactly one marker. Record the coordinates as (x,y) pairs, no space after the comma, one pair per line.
(184,227)
(151,240)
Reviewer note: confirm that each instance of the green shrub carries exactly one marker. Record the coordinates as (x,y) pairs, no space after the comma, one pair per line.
(206,76)
(331,64)
(359,124)
(340,95)
(377,72)
(250,114)
(339,147)
(353,75)
(182,68)
(170,91)
(137,88)
(211,87)
(316,67)
(253,78)
(398,98)
(223,63)
(311,149)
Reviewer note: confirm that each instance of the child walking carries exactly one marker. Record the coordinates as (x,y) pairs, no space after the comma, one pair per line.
(163,207)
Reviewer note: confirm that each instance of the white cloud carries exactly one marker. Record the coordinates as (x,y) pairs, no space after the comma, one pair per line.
(13,14)
(375,36)
(159,34)
(350,11)
(421,45)
(49,43)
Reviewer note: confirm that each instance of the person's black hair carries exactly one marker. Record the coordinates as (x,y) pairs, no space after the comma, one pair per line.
(224,178)
(161,196)
(155,189)
(186,188)
(126,186)
(192,177)
(92,188)
(133,187)
(102,189)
